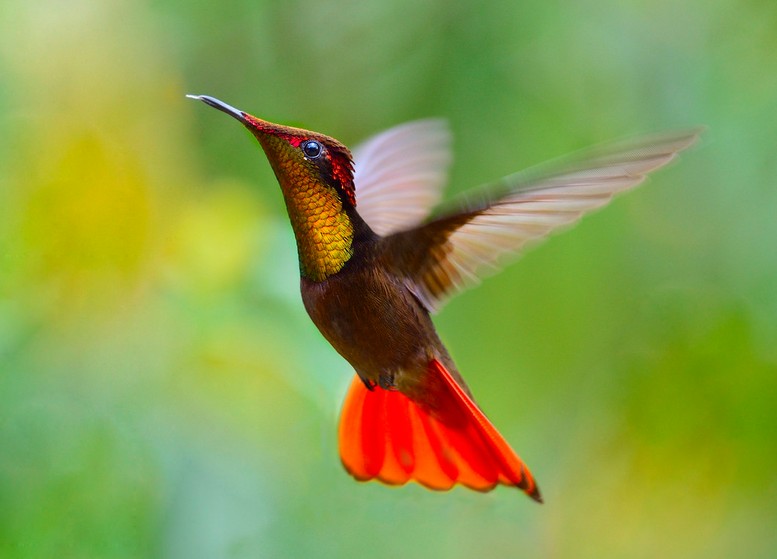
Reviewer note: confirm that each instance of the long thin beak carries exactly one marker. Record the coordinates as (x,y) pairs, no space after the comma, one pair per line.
(221,105)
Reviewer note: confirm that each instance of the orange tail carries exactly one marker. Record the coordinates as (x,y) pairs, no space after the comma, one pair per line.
(440,442)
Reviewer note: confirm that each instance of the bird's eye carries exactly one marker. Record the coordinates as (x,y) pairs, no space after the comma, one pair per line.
(312,149)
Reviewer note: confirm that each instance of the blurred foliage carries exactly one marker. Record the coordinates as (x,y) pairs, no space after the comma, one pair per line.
(162,393)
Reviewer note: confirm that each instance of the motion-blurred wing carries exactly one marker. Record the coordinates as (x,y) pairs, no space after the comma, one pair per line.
(399,174)
(449,253)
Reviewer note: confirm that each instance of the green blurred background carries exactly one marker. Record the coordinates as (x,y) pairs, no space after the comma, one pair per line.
(162,392)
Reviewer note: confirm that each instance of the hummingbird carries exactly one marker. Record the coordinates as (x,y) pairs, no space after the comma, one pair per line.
(375,264)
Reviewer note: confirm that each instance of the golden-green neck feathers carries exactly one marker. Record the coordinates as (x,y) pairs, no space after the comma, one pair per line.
(322,228)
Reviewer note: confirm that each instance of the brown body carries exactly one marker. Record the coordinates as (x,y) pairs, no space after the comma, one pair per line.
(375,322)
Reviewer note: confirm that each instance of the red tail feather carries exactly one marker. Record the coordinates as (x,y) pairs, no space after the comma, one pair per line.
(440,442)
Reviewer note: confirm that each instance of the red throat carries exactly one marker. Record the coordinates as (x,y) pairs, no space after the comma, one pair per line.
(387,436)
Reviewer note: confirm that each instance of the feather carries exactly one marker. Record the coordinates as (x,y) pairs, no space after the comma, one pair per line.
(399,174)
(447,254)
(439,440)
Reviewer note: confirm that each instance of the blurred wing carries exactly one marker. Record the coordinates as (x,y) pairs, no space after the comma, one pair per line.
(399,174)
(449,253)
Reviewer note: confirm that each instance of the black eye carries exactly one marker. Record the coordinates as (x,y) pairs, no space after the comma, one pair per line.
(312,149)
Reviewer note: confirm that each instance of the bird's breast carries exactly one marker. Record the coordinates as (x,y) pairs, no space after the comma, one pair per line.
(372,320)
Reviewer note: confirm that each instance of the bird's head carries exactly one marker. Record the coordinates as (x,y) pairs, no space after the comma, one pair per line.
(298,157)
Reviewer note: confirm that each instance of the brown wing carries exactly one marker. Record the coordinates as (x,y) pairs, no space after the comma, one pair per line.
(449,253)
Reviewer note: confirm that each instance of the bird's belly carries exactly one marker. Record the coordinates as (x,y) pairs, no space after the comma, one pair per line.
(373,322)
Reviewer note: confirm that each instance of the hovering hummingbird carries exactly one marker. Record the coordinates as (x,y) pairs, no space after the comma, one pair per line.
(374,266)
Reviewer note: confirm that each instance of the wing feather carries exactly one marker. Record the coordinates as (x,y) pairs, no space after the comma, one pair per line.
(399,174)
(449,253)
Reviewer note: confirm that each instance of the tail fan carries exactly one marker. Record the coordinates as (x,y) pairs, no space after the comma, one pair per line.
(438,442)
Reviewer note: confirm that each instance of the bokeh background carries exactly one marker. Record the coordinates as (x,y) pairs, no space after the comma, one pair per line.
(162,392)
